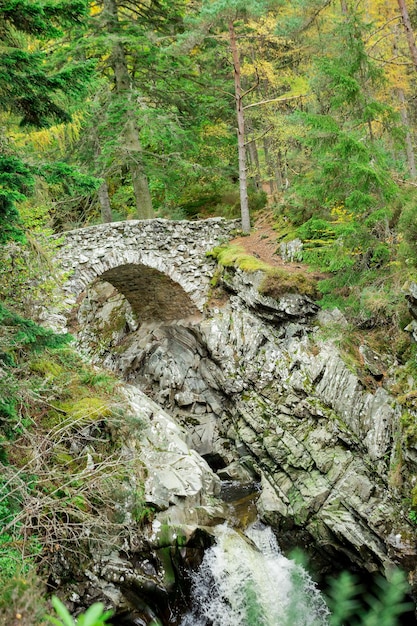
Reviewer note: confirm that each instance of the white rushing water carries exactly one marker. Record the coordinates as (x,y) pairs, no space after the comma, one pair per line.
(248,582)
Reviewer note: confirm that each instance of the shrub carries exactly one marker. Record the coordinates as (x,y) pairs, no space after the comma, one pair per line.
(380,607)
(408,225)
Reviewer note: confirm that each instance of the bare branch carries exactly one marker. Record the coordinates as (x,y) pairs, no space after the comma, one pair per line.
(392,19)
(245,93)
(255,104)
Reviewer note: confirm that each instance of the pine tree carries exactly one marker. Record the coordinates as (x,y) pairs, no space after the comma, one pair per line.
(32,90)
(345,129)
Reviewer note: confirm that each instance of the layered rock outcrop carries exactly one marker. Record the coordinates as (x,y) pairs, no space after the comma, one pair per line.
(263,396)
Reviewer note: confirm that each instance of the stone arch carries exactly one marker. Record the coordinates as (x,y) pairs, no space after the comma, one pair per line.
(152,294)
(154,290)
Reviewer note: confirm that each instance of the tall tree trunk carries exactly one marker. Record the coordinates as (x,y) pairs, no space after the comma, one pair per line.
(408,31)
(408,141)
(131,133)
(139,180)
(269,168)
(243,187)
(104,199)
(103,190)
(281,174)
(404,114)
(253,151)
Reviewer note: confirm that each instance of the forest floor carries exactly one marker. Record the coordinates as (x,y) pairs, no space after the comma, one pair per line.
(262,242)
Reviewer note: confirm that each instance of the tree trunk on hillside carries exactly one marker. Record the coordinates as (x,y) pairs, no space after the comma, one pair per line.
(404,113)
(254,159)
(269,168)
(132,146)
(281,174)
(139,180)
(408,31)
(103,190)
(243,187)
(408,141)
(104,199)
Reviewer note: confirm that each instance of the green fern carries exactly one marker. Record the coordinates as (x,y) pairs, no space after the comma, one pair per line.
(383,606)
(94,616)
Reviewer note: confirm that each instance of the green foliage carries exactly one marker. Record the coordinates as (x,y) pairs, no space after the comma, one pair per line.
(15,181)
(409,420)
(51,399)
(94,616)
(10,556)
(34,90)
(20,338)
(26,335)
(341,199)
(28,90)
(82,411)
(75,182)
(408,228)
(382,607)
(98,379)
(41,19)
(27,84)
(316,229)
(29,274)
(372,299)
(343,598)
(21,592)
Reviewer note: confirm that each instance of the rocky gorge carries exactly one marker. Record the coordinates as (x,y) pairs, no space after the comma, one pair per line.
(252,391)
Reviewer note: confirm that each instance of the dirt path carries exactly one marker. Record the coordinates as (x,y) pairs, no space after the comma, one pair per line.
(263,243)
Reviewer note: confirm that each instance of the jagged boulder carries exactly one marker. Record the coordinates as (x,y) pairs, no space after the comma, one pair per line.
(139,570)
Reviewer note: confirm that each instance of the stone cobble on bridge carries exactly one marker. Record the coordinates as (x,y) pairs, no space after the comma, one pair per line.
(160,266)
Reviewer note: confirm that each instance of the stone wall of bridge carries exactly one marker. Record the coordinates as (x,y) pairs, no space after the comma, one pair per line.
(160,266)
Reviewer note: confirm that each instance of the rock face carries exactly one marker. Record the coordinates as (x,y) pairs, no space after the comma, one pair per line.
(137,571)
(262,395)
(174,471)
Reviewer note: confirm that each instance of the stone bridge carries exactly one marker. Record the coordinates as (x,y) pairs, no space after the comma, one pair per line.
(159,265)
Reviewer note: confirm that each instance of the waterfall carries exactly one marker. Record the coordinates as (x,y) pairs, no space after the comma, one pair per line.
(246,581)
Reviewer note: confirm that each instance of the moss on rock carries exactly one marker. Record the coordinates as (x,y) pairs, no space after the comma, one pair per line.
(278,282)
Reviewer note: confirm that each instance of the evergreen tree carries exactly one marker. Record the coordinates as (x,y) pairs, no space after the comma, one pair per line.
(32,90)
(163,101)
(345,129)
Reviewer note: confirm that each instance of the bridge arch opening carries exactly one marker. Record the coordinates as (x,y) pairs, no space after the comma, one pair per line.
(152,295)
